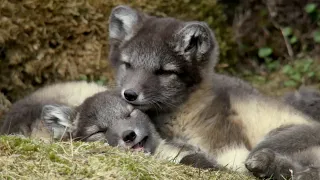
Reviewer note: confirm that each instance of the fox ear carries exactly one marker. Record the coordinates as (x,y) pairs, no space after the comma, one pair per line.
(196,41)
(123,23)
(58,118)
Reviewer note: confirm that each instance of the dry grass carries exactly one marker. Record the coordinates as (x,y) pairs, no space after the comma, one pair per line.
(22,158)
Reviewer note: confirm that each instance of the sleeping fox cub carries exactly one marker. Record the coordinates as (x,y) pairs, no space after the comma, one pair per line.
(90,112)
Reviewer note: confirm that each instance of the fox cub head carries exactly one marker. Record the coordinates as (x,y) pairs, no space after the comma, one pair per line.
(159,61)
(103,117)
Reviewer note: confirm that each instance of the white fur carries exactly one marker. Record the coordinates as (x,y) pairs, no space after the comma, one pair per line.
(125,57)
(57,112)
(141,97)
(233,158)
(69,93)
(261,115)
(170,153)
(134,113)
(130,107)
(170,67)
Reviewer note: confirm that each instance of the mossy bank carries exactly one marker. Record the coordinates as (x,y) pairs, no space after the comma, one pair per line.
(22,158)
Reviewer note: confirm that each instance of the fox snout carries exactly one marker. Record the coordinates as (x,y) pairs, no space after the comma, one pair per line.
(130,95)
(136,85)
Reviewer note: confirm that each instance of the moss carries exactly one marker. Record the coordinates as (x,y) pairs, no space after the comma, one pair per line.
(67,160)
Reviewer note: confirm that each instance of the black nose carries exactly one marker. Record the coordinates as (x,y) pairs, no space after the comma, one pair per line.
(129,136)
(130,95)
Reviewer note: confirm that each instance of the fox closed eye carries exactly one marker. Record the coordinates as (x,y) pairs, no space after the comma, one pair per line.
(127,65)
(165,72)
(102,131)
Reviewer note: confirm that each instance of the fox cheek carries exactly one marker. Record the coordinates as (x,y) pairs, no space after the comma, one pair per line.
(167,80)
(123,68)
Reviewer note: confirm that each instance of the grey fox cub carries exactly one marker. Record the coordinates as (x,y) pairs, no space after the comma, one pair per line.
(164,66)
(89,112)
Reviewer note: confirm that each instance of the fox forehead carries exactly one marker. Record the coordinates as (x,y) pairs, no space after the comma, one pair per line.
(152,43)
(150,54)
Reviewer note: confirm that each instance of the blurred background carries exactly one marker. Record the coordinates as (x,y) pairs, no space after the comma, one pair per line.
(274,44)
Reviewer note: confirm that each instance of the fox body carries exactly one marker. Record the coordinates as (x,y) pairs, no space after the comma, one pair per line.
(89,112)
(165,67)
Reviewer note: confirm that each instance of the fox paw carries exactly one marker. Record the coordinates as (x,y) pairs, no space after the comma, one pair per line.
(199,161)
(260,163)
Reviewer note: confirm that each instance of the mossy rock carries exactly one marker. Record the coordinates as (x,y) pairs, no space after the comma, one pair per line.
(43,42)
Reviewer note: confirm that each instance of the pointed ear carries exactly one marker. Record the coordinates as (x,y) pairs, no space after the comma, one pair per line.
(58,118)
(196,41)
(123,23)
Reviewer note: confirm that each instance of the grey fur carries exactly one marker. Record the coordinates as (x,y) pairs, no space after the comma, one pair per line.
(105,116)
(190,47)
(22,116)
(111,116)
(295,148)
(306,100)
(190,102)
(157,43)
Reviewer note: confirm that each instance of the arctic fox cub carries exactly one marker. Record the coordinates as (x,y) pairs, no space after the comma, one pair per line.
(164,66)
(89,112)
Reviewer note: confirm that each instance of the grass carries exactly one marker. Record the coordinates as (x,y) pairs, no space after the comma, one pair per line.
(24,158)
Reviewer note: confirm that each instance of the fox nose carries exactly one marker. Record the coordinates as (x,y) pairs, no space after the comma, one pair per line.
(129,136)
(130,95)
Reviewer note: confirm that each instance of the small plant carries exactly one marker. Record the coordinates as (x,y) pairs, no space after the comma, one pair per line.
(310,8)
(265,53)
(299,71)
(316,36)
(83,77)
(314,12)
(288,32)
(102,80)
